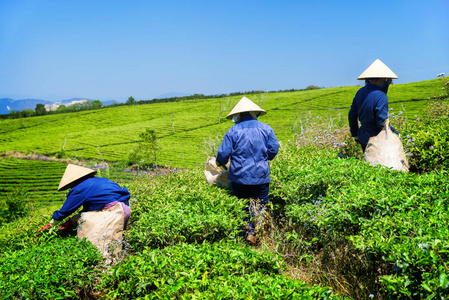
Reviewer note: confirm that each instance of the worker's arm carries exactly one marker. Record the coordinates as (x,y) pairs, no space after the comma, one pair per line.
(74,200)
(224,151)
(353,119)
(273,145)
(381,111)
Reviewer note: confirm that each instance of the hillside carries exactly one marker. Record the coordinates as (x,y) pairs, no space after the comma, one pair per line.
(335,227)
(185,128)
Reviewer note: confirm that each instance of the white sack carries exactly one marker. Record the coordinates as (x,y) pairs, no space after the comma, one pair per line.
(386,149)
(102,228)
(215,175)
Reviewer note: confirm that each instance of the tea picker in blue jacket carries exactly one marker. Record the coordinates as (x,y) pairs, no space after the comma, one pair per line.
(370,104)
(93,193)
(249,145)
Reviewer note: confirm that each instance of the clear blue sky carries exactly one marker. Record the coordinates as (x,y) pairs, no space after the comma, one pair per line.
(107,50)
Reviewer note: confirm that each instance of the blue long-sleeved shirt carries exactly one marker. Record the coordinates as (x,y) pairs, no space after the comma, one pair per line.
(92,193)
(250,144)
(370,107)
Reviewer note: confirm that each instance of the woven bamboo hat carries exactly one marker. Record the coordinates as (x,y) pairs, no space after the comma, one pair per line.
(377,70)
(73,173)
(245,105)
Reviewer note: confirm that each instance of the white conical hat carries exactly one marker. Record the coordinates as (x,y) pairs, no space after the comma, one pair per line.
(73,173)
(377,70)
(245,105)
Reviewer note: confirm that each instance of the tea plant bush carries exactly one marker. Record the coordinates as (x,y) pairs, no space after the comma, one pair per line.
(184,242)
(59,269)
(14,205)
(346,229)
(22,232)
(391,226)
(386,220)
(223,270)
(427,141)
(181,207)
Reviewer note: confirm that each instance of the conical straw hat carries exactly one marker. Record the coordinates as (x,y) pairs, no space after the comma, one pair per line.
(377,70)
(245,105)
(73,173)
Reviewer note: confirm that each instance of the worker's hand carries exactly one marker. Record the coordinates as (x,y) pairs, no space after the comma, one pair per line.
(223,167)
(45,227)
(67,224)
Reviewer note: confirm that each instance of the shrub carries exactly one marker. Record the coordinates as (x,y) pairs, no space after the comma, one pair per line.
(207,271)
(22,233)
(62,268)
(192,212)
(359,228)
(428,148)
(408,230)
(427,141)
(15,205)
(147,148)
(363,231)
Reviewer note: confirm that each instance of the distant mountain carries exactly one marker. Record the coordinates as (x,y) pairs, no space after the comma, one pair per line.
(65,101)
(75,100)
(110,102)
(7,104)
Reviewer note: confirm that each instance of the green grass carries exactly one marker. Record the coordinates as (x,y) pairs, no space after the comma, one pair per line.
(111,133)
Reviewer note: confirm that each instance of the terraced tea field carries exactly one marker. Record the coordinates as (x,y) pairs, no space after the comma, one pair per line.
(340,229)
(39,178)
(181,127)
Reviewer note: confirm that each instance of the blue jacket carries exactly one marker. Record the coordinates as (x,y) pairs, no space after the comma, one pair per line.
(370,107)
(92,193)
(250,144)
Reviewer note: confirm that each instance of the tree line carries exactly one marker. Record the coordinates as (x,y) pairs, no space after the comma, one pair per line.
(40,110)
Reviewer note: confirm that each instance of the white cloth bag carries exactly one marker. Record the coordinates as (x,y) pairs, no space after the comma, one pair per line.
(386,149)
(103,228)
(215,175)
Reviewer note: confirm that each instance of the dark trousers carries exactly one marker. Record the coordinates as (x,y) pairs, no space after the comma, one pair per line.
(256,192)
(260,191)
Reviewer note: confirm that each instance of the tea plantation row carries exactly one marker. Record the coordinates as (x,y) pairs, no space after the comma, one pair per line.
(183,242)
(39,179)
(335,222)
(36,176)
(337,228)
(181,127)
